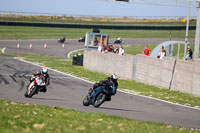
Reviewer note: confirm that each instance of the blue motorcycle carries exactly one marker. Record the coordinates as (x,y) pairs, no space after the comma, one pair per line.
(98,96)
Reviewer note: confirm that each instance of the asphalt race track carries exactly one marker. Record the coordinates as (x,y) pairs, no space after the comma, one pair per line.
(66,91)
(55,49)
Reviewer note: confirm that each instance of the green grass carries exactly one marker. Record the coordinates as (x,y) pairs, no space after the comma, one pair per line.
(76,53)
(134,87)
(32,118)
(137,49)
(36,118)
(18,117)
(97,21)
(24,33)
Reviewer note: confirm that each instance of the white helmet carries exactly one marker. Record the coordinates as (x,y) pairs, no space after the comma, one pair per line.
(44,70)
(114,77)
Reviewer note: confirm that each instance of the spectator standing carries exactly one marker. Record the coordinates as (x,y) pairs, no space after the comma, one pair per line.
(146,51)
(103,47)
(115,49)
(121,50)
(189,55)
(99,48)
(109,48)
(162,53)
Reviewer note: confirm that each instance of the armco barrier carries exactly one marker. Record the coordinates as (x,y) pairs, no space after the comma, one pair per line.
(109,63)
(168,73)
(187,77)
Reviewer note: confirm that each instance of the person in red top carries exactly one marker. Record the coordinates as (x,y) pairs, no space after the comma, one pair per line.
(146,51)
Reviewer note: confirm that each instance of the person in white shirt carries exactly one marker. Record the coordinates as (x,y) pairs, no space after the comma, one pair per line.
(162,53)
(121,50)
(101,47)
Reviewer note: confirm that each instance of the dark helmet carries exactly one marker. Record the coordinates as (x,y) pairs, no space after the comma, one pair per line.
(114,77)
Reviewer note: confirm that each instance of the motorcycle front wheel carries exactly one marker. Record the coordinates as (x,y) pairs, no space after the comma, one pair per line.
(86,101)
(31,93)
(101,98)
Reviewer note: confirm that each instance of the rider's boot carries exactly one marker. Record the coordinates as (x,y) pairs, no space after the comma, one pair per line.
(90,91)
(108,98)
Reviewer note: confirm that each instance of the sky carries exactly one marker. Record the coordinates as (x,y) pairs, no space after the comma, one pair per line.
(94,8)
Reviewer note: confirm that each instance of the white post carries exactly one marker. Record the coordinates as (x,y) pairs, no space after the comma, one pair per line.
(197,36)
(87,40)
(178,50)
(187,28)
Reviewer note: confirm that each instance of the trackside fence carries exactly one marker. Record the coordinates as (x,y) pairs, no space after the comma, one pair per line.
(87,26)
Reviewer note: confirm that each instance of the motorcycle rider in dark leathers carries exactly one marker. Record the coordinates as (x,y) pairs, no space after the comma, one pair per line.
(62,40)
(43,72)
(113,80)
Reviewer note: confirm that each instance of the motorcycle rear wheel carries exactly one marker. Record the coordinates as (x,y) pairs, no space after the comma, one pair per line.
(86,101)
(101,98)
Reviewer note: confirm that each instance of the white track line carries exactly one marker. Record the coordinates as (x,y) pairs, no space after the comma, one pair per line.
(56,71)
(3,50)
(177,104)
(68,55)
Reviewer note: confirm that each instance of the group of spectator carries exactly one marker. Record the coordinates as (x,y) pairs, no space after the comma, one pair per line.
(146,51)
(111,48)
(162,53)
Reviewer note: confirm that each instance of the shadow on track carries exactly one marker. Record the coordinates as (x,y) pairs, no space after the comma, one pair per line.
(119,109)
(39,98)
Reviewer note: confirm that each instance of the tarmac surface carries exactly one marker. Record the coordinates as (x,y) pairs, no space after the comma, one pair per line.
(53,48)
(68,92)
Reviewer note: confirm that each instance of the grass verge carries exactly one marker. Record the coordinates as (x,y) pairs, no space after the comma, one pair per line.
(76,53)
(24,33)
(18,118)
(91,20)
(128,85)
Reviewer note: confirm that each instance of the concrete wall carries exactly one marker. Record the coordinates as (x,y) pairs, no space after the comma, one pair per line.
(154,71)
(187,77)
(109,63)
(168,73)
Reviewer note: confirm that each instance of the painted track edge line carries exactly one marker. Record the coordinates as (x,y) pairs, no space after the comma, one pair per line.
(3,50)
(68,55)
(159,100)
(177,104)
(56,71)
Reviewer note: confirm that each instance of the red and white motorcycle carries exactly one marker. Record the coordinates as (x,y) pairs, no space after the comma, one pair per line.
(37,83)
